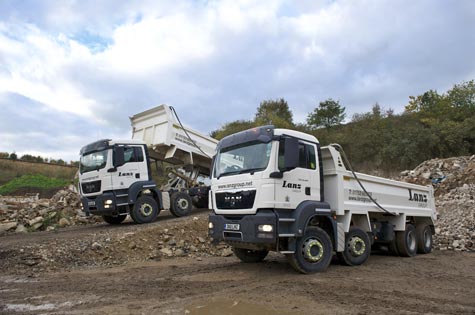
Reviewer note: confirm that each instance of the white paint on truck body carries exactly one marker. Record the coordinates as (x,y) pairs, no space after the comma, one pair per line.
(341,190)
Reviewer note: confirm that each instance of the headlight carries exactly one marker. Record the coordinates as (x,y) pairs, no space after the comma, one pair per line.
(108,202)
(265,228)
(210,225)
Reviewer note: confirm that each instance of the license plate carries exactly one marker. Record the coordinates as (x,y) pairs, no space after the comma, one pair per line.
(232,227)
(91,203)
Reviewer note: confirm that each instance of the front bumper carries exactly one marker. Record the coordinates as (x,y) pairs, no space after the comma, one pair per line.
(97,205)
(243,231)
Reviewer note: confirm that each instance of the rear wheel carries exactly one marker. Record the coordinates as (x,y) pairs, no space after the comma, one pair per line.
(314,251)
(357,248)
(180,204)
(114,220)
(249,255)
(145,210)
(407,241)
(392,247)
(424,239)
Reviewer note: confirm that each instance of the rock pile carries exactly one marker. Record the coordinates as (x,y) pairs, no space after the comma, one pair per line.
(444,174)
(118,246)
(454,185)
(29,213)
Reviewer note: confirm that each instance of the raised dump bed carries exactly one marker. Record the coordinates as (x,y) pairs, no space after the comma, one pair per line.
(167,140)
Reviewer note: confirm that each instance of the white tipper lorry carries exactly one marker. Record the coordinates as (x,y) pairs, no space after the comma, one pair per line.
(115,176)
(279,190)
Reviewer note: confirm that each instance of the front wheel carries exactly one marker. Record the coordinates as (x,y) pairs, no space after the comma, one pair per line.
(357,248)
(145,210)
(314,251)
(114,220)
(249,255)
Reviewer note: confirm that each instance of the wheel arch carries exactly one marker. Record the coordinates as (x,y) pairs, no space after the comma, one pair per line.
(137,189)
(424,221)
(315,213)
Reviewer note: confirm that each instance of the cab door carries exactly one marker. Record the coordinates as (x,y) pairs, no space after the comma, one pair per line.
(131,171)
(301,183)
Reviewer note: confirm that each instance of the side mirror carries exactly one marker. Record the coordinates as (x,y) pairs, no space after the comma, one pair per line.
(291,154)
(118,156)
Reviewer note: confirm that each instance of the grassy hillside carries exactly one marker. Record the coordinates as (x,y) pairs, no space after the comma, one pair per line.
(19,177)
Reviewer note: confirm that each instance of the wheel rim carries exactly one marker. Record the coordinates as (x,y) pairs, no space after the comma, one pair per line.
(357,246)
(411,241)
(312,250)
(182,203)
(146,209)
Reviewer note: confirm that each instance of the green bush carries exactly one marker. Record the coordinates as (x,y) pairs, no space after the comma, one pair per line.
(37,181)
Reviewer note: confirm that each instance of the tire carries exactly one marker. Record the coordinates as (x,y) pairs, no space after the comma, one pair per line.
(201,203)
(249,255)
(392,247)
(407,241)
(357,248)
(114,220)
(180,204)
(424,239)
(145,210)
(314,251)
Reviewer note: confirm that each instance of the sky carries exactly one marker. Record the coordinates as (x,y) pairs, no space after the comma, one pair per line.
(74,71)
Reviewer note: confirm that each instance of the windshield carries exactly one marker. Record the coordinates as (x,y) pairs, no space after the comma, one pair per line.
(243,158)
(93,161)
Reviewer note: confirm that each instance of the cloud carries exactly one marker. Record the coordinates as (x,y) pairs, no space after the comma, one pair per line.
(94,64)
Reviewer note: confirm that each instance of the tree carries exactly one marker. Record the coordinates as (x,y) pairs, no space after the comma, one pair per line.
(463,95)
(13,156)
(274,112)
(329,113)
(28,157)
(427,102)
(4,155)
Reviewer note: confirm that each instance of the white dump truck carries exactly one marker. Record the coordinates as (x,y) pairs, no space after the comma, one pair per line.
(115,175)
(278,190)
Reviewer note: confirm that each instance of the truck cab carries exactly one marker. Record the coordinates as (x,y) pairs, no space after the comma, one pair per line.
(113,176)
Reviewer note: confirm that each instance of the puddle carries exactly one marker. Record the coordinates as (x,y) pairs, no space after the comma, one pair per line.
(229,307)
(32,307)
(29,307)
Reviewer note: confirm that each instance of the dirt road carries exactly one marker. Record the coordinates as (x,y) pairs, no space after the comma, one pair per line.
(122,279)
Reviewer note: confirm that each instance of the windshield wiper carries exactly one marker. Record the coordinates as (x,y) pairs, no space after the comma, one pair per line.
(251,170)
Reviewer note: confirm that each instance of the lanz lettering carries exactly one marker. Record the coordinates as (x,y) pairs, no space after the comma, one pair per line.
(417,197)
(291,185)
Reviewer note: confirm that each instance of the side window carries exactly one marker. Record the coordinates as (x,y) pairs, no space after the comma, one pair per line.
(129,155)
(307,156)
(302,156)
(281,154)
(139,154)
(311,160)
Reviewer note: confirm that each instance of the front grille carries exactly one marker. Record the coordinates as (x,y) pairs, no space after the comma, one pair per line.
(91,187)
(237,200)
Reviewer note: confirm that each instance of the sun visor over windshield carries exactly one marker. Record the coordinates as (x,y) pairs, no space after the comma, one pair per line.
(95,146)
(259,134)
